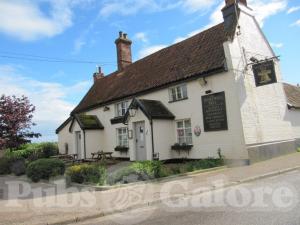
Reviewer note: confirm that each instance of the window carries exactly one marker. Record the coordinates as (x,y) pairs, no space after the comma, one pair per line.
(184,132)
(122,137)
(178,92)
(121,108)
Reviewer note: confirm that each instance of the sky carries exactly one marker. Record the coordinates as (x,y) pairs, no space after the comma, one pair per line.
(49,49)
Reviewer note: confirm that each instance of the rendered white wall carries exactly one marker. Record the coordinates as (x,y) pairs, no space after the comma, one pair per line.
(294,117)
(94,140)
(263,108)
(64,136)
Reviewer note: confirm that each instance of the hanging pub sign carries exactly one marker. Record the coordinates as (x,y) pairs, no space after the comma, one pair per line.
(264,73)
(214,112)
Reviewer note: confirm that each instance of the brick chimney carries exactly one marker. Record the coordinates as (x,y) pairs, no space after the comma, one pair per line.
(123,51)
(230,2)
(98,74)
(231,12)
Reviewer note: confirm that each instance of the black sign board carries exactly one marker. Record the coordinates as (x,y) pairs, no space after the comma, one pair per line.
(214,112)
(264,73)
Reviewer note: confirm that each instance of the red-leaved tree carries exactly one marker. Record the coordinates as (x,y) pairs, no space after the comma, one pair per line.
(16,121)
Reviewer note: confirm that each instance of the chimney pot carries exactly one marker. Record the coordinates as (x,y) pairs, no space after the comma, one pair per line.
(125,36)
(120,34)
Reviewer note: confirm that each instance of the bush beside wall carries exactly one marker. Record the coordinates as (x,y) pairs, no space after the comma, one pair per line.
(33,151)
(45,169)
(4,166)
(87,173)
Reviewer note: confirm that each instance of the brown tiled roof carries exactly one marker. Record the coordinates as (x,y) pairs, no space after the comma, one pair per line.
(200,55)
(293,95)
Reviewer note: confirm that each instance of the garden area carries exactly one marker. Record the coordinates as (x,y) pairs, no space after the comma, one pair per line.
(38,162)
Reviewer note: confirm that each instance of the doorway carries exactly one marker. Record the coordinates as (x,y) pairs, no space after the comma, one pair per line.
(140,141)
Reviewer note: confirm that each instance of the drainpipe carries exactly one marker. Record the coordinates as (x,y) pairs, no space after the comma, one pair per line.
(152,138)
(84,145)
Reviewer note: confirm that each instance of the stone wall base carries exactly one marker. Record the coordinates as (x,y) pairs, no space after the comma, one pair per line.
(271,150)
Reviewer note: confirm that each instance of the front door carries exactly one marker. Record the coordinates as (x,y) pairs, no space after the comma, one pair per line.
(140,140)
(78,143)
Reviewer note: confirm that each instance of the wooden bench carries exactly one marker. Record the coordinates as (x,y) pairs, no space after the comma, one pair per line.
(102,155)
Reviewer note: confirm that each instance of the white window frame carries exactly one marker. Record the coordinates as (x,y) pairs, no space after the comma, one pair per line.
(122,137)
(187,132)
(178,92)
(121,108)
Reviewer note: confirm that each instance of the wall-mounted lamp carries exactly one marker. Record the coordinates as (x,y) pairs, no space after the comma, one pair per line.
(132,112)
(202,81)
(254,60)
(106,108)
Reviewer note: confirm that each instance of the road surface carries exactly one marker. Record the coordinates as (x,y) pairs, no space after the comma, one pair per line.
(273,201)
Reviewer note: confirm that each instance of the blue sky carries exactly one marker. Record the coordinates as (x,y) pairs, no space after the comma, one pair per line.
(85,30)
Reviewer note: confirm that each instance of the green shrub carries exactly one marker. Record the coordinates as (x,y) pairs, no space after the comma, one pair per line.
(44,169)
(148,169)
(204,164)
(298,149)
(87,173)
(18,167)
(48,149)
(33,151)
(4,166)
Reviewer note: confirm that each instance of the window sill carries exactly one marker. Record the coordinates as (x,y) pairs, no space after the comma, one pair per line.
(182,99)
(116,120)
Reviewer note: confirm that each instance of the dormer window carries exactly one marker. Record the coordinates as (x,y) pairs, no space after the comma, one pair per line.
(121,108)
(178,93)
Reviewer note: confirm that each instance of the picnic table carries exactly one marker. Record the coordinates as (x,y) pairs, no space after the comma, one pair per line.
(67,157)
(101,155)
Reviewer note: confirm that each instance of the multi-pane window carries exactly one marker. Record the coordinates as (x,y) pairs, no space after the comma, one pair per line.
(178,92)
(122,137)
(184,132)
(121,108)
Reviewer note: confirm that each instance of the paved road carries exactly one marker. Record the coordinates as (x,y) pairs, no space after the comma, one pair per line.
(273,201)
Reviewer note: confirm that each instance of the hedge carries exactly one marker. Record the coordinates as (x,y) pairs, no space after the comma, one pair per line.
(44,169)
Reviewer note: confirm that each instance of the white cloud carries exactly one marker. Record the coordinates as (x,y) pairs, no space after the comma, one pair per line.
(78,45)
(197,5)
(126,7)
(129,7)
(297,23)
(27,21)
(149,50)
(141,36)
(51,99)
(293,9)
(215,18)
(277,45)
(264,9)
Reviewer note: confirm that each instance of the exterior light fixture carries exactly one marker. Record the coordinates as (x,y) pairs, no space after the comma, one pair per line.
(132,112)
(202,81)
(254,60)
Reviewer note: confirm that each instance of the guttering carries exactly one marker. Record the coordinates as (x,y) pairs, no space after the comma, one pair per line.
(152,138)
(84,144)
